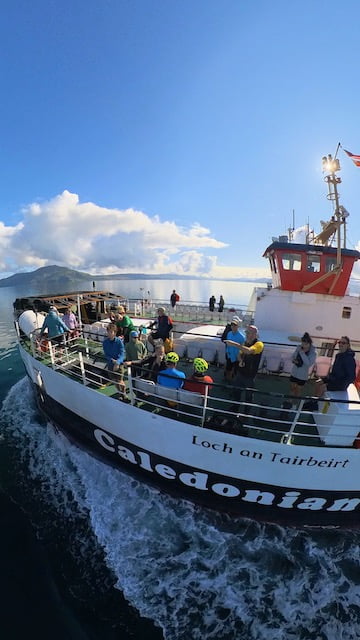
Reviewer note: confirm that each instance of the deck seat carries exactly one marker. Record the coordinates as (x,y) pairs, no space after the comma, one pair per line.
(338,422)
(146,386)
(193,349)
(190,398)
(166,393)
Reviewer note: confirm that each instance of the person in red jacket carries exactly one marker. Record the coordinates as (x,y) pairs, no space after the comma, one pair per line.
(199,381)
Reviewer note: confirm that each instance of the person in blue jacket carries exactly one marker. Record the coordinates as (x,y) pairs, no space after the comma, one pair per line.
(114,352)
(54,325)
(343,371)
(232,353)
(171,377)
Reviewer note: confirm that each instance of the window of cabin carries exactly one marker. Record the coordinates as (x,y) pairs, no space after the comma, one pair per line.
(330,264)
(291,261)
(313,264)
(272,264)
(346,312)
(326,349)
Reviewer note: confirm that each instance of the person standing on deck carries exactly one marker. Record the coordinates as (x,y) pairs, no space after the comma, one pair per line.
(212,302)
(71,322)
(124,324)
(343,371)
(114,352)
(234,339)
(249,357)
(162,327)
(135,349)
(303,358)
(174,298)
(221,304)
(55,326)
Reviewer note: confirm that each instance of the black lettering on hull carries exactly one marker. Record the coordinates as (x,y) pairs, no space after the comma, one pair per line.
(292,506)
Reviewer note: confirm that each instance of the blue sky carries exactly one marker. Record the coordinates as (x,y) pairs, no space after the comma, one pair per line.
(171,136)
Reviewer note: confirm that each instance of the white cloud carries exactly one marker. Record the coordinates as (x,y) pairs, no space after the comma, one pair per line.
(96,239)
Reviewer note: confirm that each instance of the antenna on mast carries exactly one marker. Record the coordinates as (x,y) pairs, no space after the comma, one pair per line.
(292,229)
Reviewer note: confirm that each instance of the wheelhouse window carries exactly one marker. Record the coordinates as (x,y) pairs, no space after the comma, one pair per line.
(291,261)
(272,264)
(346,312)
(326,349)
(313,264)
(330,264)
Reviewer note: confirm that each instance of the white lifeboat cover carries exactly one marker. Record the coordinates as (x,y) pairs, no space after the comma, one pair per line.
(29,321)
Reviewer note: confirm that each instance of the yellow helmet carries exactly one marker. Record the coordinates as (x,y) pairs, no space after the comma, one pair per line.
(200,365)
(172,357)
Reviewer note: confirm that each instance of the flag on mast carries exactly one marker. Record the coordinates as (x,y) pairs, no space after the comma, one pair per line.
(354,158)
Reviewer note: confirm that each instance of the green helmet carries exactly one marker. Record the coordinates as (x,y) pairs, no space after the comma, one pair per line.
(172,357)
(200,365)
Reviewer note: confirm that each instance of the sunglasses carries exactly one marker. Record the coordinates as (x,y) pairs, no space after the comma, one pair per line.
(343,342)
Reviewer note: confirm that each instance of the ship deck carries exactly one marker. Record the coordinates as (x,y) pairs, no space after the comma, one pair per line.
(271,414)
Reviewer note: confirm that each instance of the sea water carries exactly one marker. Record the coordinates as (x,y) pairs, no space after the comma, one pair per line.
(130,562)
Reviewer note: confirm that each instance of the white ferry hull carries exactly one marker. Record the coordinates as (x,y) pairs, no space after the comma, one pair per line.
(302,485)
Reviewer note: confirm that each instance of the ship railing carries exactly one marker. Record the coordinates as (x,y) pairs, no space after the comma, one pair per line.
(177,401)
(185,311)
(256,413)
(295,425)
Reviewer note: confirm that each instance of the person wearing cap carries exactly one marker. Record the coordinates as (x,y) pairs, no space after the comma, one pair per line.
(162,327)
(124,324)
(199,381)
(249,356)
(171,377)
(234,338)
(134,349)
(54,325)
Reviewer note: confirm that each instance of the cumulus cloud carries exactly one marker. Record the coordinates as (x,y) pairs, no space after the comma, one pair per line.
(96,239)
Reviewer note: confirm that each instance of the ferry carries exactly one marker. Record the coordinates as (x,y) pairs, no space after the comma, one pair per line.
(266,455)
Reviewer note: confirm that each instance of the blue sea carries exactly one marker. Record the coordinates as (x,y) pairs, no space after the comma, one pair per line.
(88,553)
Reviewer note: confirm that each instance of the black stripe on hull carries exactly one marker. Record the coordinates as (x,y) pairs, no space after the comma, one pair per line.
(245,499)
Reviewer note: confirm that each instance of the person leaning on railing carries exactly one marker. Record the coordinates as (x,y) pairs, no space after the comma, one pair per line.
(150,366)
(303,359)
(249,356)
(55,327)
(343,371)
(114,352)
(124,324)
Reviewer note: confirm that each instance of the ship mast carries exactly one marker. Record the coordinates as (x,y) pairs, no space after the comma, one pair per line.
(331,166)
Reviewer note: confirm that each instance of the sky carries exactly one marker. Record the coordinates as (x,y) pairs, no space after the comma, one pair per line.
(172,136)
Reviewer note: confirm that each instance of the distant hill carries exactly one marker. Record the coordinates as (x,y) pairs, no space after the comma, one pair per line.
(51,277)
(54,278)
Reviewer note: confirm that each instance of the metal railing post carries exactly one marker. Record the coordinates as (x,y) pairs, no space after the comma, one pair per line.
(287,437)
(82,368)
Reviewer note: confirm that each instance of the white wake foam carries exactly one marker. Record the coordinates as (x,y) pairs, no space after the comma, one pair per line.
(195,574)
